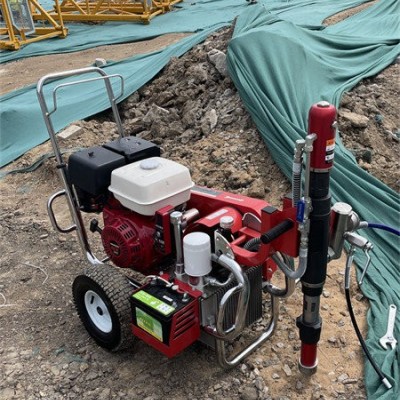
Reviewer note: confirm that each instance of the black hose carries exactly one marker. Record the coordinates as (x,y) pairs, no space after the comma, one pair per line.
(277,231)
(252,244)
(362,342)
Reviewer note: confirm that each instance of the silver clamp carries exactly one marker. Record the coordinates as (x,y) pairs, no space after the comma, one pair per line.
(357,241)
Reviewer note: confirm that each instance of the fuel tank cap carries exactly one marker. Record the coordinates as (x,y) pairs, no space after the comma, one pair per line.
(149,163)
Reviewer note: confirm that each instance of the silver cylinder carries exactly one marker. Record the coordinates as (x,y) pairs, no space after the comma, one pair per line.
(176,218)
(341,216)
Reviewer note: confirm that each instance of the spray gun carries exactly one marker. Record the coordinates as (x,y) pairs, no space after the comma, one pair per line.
(323,231)
(319,148)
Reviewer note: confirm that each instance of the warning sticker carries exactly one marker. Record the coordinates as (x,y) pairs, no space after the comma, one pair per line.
(149,324)
(330,145)
(329,157)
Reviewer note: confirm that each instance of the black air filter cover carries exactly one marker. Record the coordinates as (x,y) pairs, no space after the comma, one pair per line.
(90,169)
(133,148)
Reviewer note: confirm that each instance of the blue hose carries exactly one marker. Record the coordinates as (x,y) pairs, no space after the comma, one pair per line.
(384,227)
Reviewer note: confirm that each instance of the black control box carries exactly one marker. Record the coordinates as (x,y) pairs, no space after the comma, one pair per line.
(90,169)
(133,148)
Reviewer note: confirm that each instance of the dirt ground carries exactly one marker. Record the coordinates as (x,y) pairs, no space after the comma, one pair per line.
(36,67)
(45,352)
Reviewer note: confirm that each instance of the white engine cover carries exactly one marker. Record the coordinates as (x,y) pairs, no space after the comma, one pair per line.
(146,186)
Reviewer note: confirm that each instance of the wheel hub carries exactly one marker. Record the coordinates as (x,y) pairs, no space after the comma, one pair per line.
(98,311)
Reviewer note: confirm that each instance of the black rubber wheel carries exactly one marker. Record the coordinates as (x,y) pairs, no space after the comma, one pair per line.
(101,298)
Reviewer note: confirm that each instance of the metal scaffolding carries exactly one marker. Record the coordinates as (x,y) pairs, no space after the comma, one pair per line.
(113,10)
(26,21)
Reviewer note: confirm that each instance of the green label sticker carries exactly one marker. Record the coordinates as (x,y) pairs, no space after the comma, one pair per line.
(154,303)
(149,324)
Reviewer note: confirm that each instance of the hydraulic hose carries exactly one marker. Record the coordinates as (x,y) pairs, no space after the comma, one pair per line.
(296,274)
(296,171)
(382,377)
(374,225)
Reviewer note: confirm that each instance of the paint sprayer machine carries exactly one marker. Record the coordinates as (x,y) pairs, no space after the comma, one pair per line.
(203,258)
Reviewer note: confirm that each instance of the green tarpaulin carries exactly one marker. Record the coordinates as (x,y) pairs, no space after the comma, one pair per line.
(282,60)
(280,69)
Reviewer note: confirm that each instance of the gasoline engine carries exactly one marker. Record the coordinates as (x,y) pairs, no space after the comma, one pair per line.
(205,257)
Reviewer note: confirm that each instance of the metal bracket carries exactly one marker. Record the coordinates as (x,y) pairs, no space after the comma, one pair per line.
(222,246)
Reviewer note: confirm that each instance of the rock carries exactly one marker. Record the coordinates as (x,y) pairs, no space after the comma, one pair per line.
(356,120)
(249,393)
(244,368)
(197,73)
(83,367)
(227,119)
(349,381)
(378,119)
(175,128)
(359,296)
(209,122)
(239,179)
(257,189)
(346,101)
(7,393)
(287,370)
(218,59)
(55,370)
(365,165)
(259,383)
(100,62)
(70,132)
(105,394)
(366,155)
(155,113)
(299,385)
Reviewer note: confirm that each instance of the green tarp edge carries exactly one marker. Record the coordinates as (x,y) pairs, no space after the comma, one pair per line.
(280,70)
(21,121)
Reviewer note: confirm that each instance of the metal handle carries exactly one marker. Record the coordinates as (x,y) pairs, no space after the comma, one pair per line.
(228,362)
(243,289)
(65,74)
(69,192)
(52,215)
(362,243)
(63,85)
